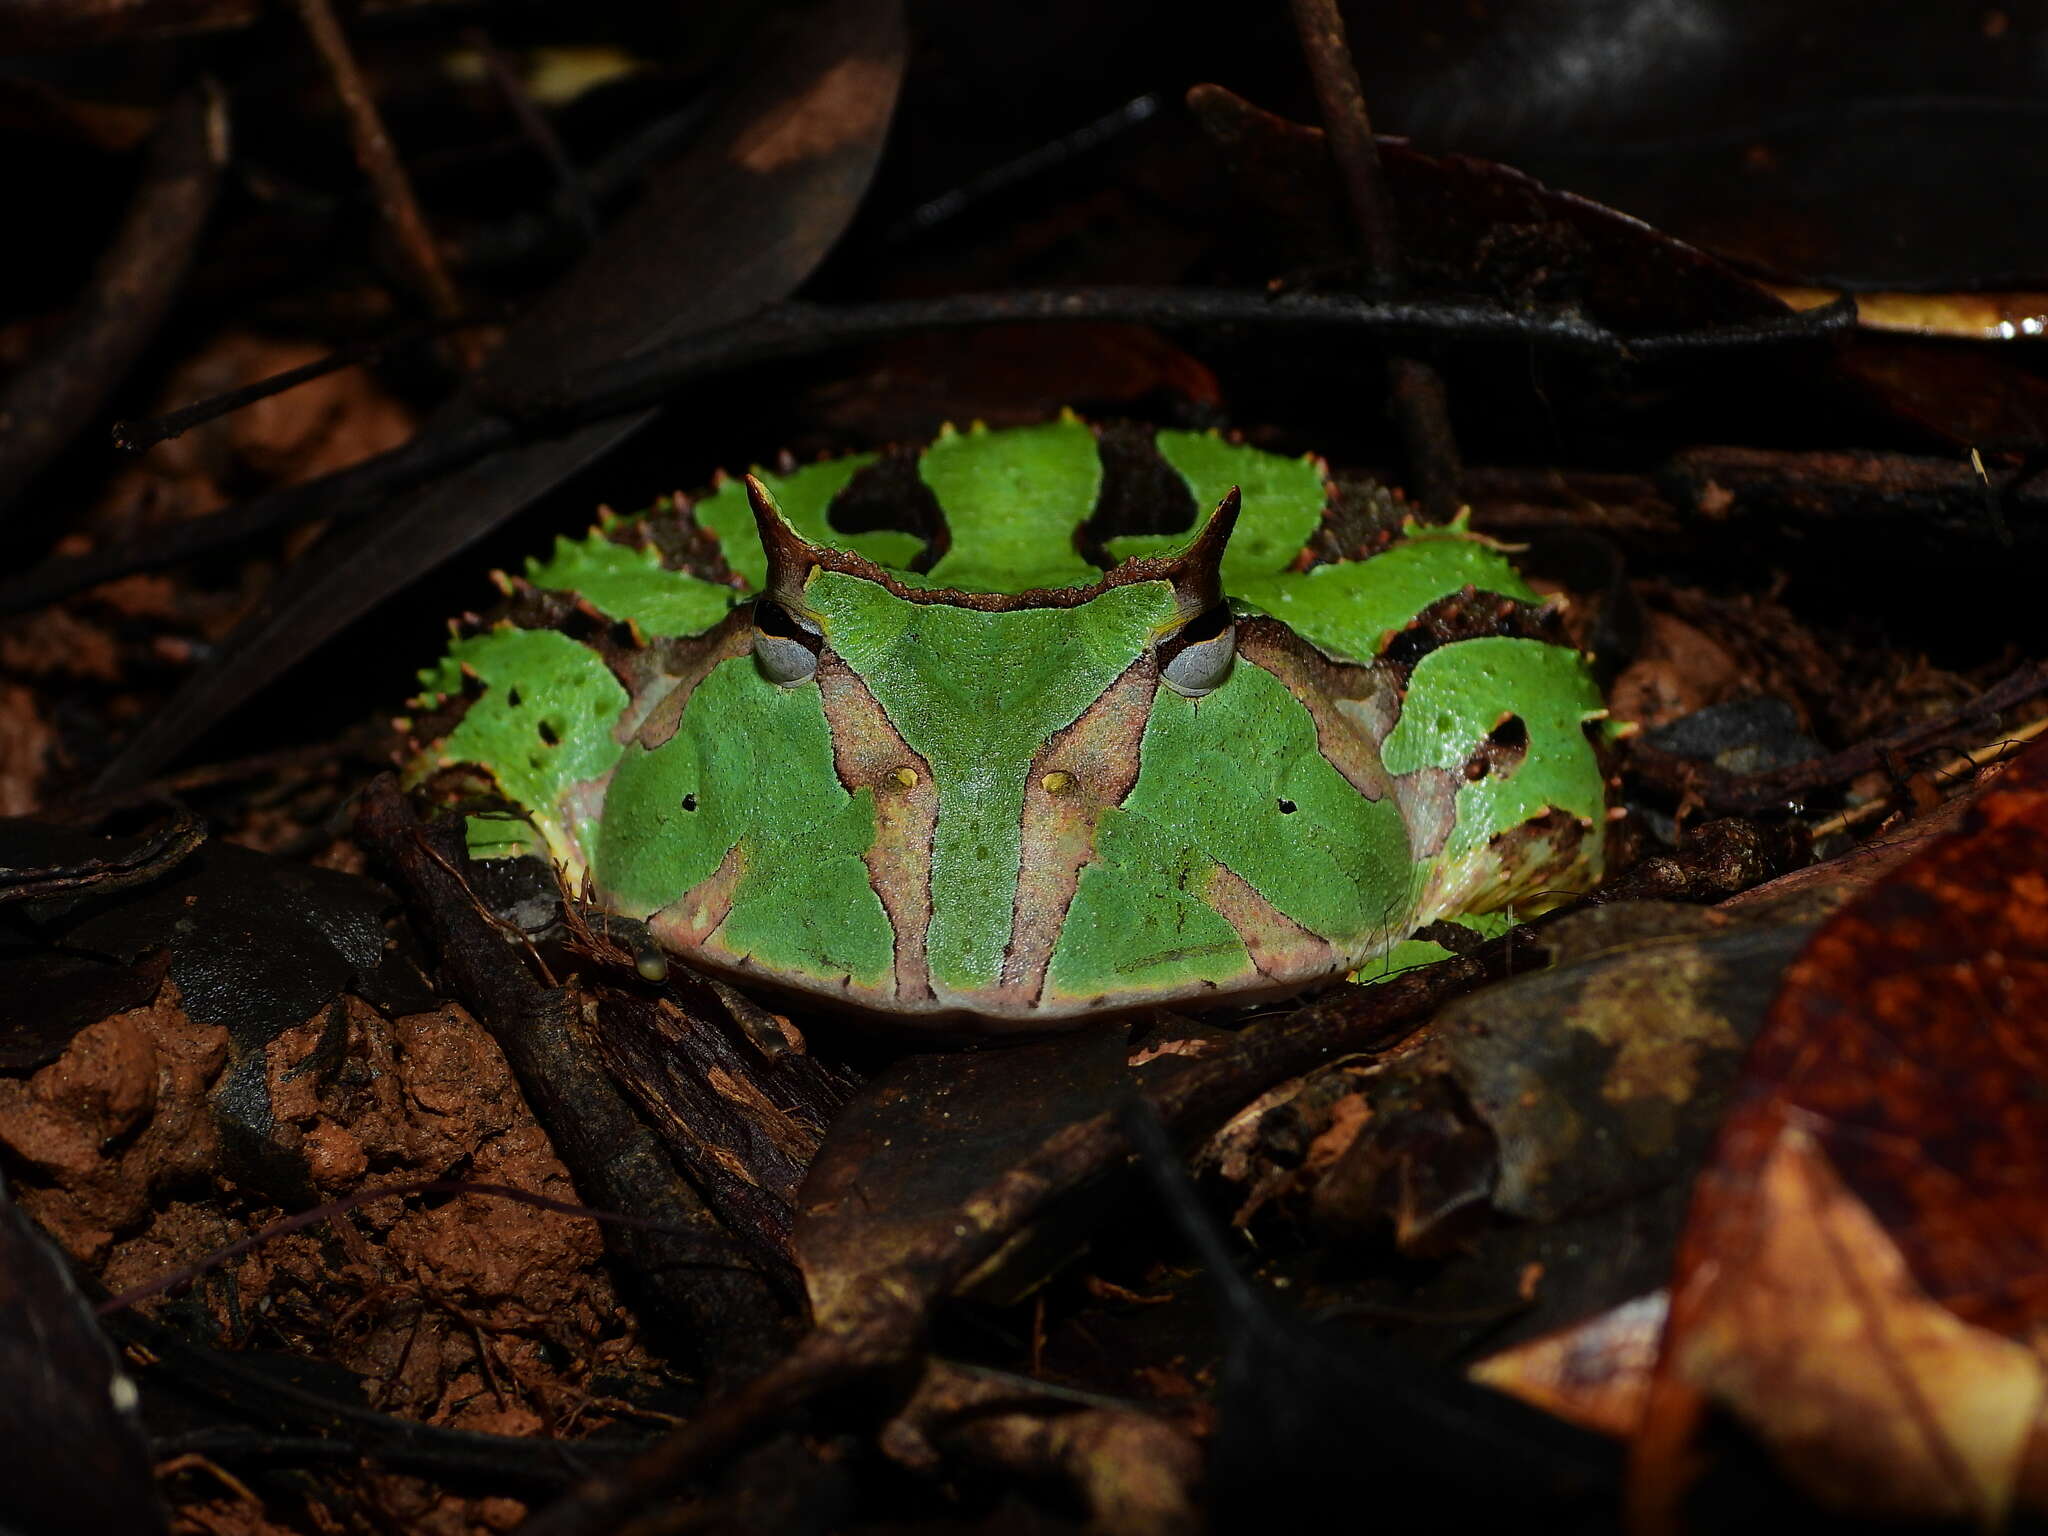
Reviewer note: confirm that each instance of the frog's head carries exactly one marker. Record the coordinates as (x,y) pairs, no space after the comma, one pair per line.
(1010,808)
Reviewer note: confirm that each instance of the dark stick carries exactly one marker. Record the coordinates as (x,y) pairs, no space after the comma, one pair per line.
(379,161)
(137,436)
(788,331)
(46,404)
(1348,128)
(799,330)
(1415,388)
(344,495)
(575,195)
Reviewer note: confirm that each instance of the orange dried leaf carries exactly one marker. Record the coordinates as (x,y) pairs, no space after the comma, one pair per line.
(1865,1267)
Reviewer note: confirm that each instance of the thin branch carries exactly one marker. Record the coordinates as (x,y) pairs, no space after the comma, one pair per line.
(1415,389)
(145,433)
(379,161)
(1348,128)
(46,404)
(800,330)
(575,195)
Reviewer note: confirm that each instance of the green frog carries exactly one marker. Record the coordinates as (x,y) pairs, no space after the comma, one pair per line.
(907,735)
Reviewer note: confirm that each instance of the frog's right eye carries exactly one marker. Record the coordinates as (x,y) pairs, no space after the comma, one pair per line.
(786,645)
(1195,658)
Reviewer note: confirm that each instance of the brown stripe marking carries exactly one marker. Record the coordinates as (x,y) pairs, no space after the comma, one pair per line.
(1080,772)
(869,753)
(689,661)
(687,924)
(1342,728)
(1280,947)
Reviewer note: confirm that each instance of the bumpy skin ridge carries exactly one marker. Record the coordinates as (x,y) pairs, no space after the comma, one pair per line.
(1003,819)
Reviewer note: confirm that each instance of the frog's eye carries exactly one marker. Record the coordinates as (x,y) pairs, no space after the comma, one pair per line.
(786,645)
(1195,658)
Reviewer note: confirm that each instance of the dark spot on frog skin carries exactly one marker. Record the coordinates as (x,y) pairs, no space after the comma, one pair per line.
(1501,752)
(689,802)
(1287,807)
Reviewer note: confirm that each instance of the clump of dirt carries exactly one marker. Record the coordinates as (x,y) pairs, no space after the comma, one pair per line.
(119,1117)
(465,1310)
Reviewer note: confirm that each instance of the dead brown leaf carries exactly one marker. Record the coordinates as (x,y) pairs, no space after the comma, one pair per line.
(1865,1268)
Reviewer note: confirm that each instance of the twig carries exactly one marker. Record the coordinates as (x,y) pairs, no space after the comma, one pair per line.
(799,330)
(344,495)
(788,331)
(1966,765)
(379,162)
(1415,388)
(575,195)
(46,404)
(1348,129)
(146,433)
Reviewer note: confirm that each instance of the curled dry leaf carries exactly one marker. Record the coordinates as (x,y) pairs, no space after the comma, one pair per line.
(1862,1273)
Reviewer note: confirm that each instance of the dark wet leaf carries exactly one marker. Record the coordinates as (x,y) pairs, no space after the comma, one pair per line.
(256,944)
(1607,1077)
(927,1133)
(1537,1153)
(49,868)
(49,995)
(72,1453)
(1865,1271)
(1959,396)
(736,221)
(1891,146)
(1474,226)
(1752,735)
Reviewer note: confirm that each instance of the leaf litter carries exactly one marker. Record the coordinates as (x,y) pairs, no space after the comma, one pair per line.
(1496,1183)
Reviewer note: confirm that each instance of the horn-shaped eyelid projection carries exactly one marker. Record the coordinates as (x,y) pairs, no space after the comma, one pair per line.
(791,556)
(1197,573)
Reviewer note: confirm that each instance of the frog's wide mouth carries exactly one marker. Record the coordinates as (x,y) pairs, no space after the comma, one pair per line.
(972,1016)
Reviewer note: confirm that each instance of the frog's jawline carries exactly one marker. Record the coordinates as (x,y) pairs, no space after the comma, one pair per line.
(937,1019)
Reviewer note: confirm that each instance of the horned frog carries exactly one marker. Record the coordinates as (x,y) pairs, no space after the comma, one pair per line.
(951,771)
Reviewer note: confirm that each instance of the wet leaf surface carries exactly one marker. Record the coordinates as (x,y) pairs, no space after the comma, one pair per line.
(1861,1272)
(1884,148)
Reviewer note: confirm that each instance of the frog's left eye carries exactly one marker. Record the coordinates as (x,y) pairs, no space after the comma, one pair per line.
(786,644)
(1195,658)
